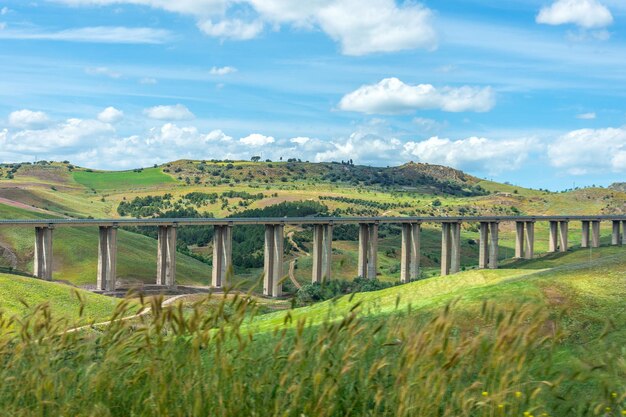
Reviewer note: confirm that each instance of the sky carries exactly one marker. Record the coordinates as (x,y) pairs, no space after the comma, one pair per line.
(530,92)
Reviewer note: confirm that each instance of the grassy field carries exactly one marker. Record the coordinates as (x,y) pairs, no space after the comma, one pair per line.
(21,294)
(76,249)
(541,338)
(122,180)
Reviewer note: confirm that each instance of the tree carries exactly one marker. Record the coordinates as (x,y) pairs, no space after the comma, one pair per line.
(255,158)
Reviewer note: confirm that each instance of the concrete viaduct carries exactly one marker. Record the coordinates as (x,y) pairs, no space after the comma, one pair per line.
(322,241)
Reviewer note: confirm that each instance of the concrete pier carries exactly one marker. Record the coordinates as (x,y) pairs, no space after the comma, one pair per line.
(446,248)
(455,247)
(595,234)
(615,237)
(166,256)
(483,249)
(222,255)
(624,232)
(553,239)
(318,252)
(372,260)
(42,263)
(273,269)
(322,252)
(563,236)
(107,259)
(584,241)
(493,245)
(327,251)
(368,250)
(530,240)
(410,252)
(519,239)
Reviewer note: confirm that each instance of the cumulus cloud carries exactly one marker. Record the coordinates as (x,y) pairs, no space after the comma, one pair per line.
(391,95)
(222,70)
(235,29)
(257,140)
(28,119)
(300,140)
(359,26)
(586,116)
(69,134)
(590,150)
(176,112)
(110,115)
(474,153)
(588,14)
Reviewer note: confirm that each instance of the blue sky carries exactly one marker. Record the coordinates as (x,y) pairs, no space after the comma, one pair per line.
(531,92)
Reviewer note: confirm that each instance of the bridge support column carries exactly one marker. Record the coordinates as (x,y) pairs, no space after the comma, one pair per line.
(327,255)
(273,269)
(222,255)
(483,249)
(493,245)
(519,240)
(530,240)
(595,234)
(372,261)
(318,232)
(107,258)
(624,232)
(455,246)
(368,250)
(410,256)
(615,238)
(553,241)
(42,264)
(584,241)
(563,235)
(446,248)
(166,256)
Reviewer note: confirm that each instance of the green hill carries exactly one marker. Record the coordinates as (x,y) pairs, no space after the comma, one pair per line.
(21,294)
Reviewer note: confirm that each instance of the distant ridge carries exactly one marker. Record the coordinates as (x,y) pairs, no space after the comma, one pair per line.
(618,186)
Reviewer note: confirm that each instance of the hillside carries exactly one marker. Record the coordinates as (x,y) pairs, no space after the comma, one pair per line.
(239,188)
(20,295)
(542,337)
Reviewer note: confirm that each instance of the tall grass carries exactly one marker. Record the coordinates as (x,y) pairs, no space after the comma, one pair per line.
(204,361)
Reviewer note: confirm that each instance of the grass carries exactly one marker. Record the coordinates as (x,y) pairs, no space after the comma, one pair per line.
(122,180)
(530,340)
(76,250)
(20,295)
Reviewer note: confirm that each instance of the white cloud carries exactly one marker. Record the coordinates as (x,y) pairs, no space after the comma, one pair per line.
(28,119)
(588,14)
(590,150)
(71,133)
(100,34)
(235,29)
(586,116)
(148,81)
(257,140)
(110,115)
(107,72)
(359,26)
(474,153)
(364,147)
(391,95)
(222,70)
(176,112)
(300,140)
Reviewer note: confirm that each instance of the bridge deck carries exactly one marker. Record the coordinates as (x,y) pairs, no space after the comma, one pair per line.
(293,220)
